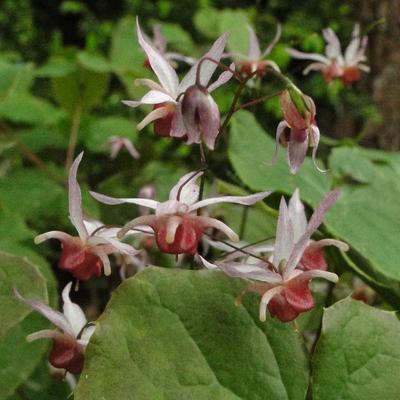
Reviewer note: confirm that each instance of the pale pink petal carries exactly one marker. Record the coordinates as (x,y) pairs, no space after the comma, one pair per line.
(171,228)
(113,201)
(274,40)
(178,128)
(297,215)
(159,39)
(86,335)
(150,84)
(315,221)
(332,49)
(266,298)
(316,273)
(186,188)
(171,207)
(354,45)
(75,199)
(123,248)
(296,153)
(210,122)
(104,259)
(131,149)
(145,220)
(317,66)
(180,57)
(45,334)
(253,49)
(156,97)
(161,67)
(284,240)
(308,56)
(214,223)
(222,79)
(55,317)
(328,242)
(61,236)
(132,103)
(314,137)
(152,116)
(116,147)
(73,313)
(242,270)
(282,126)
(207,67)
(244,200)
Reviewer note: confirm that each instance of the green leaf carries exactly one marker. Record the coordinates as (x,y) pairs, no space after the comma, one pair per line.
(206,22)
(367,216)
(31,194)
(101,129)
(13,226)
(235,22)
(19,273)
(358,354)
(56,67)
(17,357)
(94,62)
(169,334)
(15,78)
(251,151)
(126,54)
(177,38)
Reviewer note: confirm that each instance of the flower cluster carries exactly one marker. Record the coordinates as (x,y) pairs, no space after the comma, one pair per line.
(182,225)
(335,64)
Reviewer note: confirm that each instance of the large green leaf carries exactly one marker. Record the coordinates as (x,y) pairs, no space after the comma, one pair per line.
(250,152)
(17,357)
(358,354)
(177,334)
(235,22)
(19,273)
(367,216)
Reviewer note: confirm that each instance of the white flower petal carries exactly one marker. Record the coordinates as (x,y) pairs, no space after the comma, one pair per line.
(61,236)
(113,201)
(266,298)
(297,215)
(157,113)
(253,49)
(244,200)
(73,313)
(308,56)
(186,188)
(161,67)
(75,199)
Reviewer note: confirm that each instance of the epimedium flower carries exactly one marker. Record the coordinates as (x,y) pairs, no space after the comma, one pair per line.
(255,60)
(159,42)
(334,64)
(284,287)
(85,255)
(166,96)
(176,224)
(299,129)
(72,335)
(117,143)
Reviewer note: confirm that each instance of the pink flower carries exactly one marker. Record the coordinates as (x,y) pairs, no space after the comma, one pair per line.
(87,254)
(160,44)
(176,225)
(299,129)
(255,60)
(70,341)
(334,64)
(166,95)
(284,287)
(116,143)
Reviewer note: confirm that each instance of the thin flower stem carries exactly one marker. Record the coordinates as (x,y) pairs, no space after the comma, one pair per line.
(248,245)
(257,101)
(73,137)
(27,153)
(236,248)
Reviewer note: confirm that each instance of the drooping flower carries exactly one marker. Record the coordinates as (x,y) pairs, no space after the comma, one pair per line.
(85,255)
(116,143)
(160,43)
(255,60)
(72,336)
(176,225)
(334,64)
(166,96)
(299,129)
(284,287)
